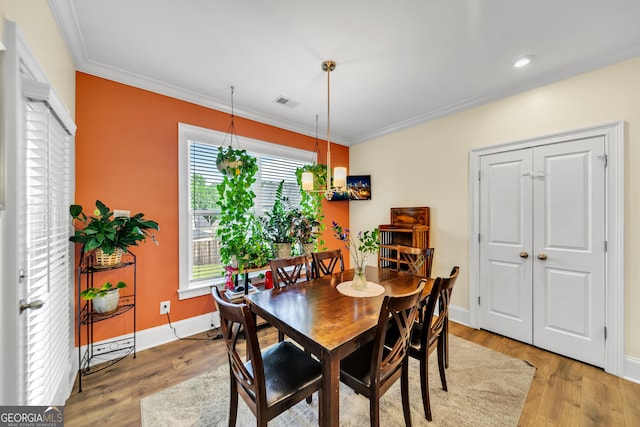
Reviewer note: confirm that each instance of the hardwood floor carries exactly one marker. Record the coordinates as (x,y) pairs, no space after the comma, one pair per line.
(563,392)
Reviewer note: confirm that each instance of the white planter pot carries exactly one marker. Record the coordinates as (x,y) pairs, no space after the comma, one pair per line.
(107,303)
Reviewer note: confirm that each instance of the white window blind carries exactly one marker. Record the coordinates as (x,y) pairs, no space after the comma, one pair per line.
(48,277)
(200,264)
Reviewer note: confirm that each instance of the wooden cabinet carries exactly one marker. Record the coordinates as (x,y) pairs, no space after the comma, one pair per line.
(408,227)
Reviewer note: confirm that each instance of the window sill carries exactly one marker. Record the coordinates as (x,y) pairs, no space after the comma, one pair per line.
(196,291)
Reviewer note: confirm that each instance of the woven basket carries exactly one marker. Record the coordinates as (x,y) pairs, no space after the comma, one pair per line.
(104,260)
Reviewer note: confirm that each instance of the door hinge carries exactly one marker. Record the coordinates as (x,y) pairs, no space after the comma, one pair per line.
(478,300)
(606,246)
(605,332)
(604,159)
(478,175)
(478,237)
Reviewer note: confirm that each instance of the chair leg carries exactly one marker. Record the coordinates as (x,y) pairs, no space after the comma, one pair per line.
(424,381)
(310,397)
(280,336)
(374,409)
(446,344)
(404,386)
(233,403)
(442,348)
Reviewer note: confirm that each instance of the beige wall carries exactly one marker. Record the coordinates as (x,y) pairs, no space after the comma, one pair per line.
(40,30)
(428,165)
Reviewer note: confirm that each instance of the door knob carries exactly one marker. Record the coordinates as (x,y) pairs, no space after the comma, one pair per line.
(542,257)
(523,254)
(33,305)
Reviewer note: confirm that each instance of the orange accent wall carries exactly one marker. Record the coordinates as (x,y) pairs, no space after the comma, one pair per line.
(127,157)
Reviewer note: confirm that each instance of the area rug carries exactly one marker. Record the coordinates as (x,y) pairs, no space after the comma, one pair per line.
(486,388)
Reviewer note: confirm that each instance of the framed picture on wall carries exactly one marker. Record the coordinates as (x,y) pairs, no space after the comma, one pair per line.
(359,187)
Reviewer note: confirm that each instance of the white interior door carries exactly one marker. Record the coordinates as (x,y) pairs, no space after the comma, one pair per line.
(542,247)
(569,245)
(505,243)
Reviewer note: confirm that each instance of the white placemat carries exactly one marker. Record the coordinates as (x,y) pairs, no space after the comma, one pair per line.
(372,290)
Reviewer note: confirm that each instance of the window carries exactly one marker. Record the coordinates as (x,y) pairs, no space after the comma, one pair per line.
(200,265)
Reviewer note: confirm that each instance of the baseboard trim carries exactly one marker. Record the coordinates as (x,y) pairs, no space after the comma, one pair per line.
(631,369)
(459,315)
(163,334)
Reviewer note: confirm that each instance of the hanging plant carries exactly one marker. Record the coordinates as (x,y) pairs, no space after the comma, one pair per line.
(230,160)
(236,207)
(311,202)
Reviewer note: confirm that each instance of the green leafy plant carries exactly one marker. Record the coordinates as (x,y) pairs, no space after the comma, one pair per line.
(311,202)
(278,221)
(91,293)
(104,230)
(304,227)
(259,250)
(361,245)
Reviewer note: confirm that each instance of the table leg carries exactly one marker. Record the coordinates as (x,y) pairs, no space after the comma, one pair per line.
(330,411)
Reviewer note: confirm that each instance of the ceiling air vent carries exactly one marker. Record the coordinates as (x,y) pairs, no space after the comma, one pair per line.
(283,100)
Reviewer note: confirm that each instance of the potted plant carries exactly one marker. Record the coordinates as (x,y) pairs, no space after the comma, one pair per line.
(230,160)
(108,235)
(304,230)
(105,298)
(278,224)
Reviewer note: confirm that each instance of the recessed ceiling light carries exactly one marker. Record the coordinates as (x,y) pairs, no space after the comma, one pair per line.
(522,62)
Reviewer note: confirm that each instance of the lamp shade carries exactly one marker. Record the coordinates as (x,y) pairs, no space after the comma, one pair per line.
(340,177)
(307,181)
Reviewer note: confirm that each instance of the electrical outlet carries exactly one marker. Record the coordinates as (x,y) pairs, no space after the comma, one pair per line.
(165,307)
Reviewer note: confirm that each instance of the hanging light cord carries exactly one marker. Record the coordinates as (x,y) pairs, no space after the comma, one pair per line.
(316,160)
(231,131)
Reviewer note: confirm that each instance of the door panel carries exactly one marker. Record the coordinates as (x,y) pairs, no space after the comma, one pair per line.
(566,286)
(569,221)
(505,276)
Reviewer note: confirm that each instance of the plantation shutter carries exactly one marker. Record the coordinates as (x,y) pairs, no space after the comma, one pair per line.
(203,193)
(274,170)
(48,273)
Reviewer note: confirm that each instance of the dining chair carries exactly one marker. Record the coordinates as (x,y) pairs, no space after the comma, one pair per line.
(325,262)
(287,271)
(270,381)
(373,368)
(416,261)
(431,334)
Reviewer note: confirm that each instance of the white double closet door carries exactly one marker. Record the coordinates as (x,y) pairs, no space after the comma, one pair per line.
(542,247)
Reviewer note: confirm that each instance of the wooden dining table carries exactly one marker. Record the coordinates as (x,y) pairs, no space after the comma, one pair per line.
(329,324)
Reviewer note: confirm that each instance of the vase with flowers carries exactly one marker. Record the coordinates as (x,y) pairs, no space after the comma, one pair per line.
(360,246)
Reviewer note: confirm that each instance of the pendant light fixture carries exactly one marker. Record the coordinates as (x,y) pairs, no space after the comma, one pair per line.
(339,173)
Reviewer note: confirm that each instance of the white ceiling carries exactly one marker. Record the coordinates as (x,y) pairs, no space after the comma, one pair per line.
(399,63)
